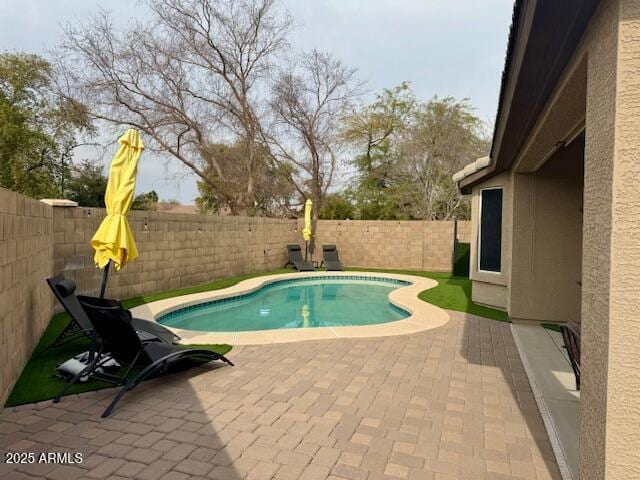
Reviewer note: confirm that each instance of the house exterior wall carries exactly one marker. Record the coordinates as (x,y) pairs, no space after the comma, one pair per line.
(602,44)
(491,288)
(547,235)
(610,401)
(26,258)
(610,251)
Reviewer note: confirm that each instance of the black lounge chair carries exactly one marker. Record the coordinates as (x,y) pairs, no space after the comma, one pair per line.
(64,290)
(120,341)
(330,258)
(572,343)
(295,259)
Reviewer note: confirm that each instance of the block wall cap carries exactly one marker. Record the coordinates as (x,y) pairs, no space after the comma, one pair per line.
(59,202)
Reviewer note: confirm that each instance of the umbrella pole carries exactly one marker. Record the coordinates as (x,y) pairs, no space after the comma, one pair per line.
(105,276)
(306,249)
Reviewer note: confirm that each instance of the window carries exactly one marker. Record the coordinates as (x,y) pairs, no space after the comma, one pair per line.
(490,236)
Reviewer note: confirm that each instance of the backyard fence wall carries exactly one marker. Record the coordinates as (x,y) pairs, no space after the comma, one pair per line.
(176,250)
(26,259)
(407,245)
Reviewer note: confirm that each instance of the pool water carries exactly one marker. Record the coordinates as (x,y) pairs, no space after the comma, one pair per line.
(296,303)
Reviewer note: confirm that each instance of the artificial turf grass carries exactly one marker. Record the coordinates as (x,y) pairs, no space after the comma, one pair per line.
(452,293)
(551,326)
(37,382)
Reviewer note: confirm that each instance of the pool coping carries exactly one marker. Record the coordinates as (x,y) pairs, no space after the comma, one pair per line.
(424,316)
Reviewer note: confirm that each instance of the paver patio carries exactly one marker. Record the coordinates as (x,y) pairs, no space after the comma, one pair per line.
(449,403)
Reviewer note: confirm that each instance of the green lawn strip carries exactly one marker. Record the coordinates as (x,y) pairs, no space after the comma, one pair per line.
(551,326)
(452,293)
(38,382)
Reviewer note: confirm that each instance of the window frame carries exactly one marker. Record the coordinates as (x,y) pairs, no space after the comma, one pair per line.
(479,252)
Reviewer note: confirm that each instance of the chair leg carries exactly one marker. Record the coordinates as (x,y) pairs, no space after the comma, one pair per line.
(69,384)
(131,384)
(115,400)
(225,359)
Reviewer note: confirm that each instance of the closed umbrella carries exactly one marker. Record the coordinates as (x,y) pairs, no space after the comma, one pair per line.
(113,241)
(306,231)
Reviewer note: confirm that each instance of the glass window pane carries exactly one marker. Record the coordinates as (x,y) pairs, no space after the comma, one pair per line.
(491,230)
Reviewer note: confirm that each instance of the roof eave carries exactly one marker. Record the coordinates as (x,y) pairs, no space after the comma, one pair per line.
(531,73)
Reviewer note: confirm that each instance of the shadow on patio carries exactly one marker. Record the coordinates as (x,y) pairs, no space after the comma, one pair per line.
(178,422)
(491,352)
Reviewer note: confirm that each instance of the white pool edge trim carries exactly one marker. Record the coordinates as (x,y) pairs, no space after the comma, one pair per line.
(549,424)
(424,316)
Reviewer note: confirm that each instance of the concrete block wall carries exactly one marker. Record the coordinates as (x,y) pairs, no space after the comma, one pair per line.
(464,231)
(26,259)
(408,245)
(180,250)
(175,250)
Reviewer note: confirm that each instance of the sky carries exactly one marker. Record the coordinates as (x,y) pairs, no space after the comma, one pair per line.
(442,47)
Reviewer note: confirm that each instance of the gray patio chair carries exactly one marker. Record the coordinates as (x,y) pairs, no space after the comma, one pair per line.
(295,259)
(64,290)
(572,343)
(121,342)
(330,258)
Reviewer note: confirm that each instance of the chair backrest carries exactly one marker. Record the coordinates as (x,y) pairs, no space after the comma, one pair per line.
(113,324)
(330,253)
(572,342)
(64,290)
(295,253)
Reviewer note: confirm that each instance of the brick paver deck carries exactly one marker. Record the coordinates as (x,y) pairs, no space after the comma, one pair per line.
(450,403)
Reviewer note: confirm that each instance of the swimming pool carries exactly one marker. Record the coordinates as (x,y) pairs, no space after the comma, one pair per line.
(323,301)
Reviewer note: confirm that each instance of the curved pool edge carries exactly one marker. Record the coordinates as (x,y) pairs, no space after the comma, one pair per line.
(424,316)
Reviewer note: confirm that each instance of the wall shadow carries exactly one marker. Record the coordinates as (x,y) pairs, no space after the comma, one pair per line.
(183,421)
(489,344)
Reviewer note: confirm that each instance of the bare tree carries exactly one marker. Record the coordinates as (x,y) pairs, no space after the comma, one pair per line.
(307,103)
(189,79)
(445,135)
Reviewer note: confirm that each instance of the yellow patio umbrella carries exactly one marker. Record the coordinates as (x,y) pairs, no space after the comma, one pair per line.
(113,241)
(306,231)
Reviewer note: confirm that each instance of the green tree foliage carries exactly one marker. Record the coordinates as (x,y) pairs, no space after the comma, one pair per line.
(87,185)
(373,131)
(407,152)
(145,201)
(337,207)
(38,128)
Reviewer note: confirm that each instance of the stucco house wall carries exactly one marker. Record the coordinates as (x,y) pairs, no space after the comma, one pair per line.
(603,80)
(547,235)
(610,402)
(491,288)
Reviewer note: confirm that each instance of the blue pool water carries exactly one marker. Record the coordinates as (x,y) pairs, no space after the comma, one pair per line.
(295,303)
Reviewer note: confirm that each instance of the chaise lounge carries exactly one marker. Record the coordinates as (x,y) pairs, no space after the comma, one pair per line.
(64,290)
(330,258)
(295,259)
(121,342)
